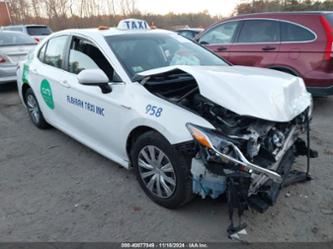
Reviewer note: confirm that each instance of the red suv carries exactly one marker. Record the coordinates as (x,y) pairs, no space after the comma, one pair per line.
(298,43)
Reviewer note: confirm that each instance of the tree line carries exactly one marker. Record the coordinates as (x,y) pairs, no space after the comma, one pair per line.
(61,14)
(254,6)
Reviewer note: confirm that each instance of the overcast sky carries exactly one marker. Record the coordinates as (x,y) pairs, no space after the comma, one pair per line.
(215,7)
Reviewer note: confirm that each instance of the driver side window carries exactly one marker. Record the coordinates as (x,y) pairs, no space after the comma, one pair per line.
(85,55)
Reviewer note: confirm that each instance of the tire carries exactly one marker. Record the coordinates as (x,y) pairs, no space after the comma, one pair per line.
(34,110)
(173,168)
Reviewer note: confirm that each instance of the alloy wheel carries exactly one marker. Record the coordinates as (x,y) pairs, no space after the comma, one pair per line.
(33,108)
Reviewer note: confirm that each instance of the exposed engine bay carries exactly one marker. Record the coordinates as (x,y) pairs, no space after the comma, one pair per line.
(247,158)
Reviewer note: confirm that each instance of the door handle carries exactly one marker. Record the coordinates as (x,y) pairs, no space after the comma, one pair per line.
(35,71)
(268,48)
(221,49)
(64,83)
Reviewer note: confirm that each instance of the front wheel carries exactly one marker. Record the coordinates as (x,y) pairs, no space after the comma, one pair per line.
(163,172)
(35,113)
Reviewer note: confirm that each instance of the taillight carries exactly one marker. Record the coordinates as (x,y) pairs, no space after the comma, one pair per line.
(329,35)
(37,39)
(2,59)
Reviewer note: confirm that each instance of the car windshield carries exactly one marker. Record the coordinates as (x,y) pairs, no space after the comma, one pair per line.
(12,39)
(141,52)
(38,30)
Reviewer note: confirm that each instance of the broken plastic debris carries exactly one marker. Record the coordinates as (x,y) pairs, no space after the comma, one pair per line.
(235,236)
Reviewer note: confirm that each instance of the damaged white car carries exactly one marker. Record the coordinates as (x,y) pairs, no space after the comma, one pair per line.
(187,121)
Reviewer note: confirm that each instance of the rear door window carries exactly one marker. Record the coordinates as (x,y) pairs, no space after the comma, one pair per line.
(41,54)
(293,32)
(258,31)
(38,30)
(221,34)
(54,55)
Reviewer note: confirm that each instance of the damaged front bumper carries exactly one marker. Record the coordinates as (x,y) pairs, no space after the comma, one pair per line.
(246,184)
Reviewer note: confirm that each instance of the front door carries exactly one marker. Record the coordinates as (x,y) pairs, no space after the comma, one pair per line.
(93,118)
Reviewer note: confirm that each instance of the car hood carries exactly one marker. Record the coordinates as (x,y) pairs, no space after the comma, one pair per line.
(249,91)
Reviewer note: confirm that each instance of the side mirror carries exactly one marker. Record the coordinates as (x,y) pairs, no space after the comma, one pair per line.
(95,77)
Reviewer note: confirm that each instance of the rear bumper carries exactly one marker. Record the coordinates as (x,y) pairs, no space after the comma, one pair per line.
(7,74)
(321,91)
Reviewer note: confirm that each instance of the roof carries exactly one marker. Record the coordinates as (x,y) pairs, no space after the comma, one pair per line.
(287,13)
(114,31)
(27,25)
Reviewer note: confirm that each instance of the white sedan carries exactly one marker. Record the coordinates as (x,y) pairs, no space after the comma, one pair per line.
(185,119)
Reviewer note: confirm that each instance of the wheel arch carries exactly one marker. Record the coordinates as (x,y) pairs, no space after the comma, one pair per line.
(285,69)
(135,133)
(25,88)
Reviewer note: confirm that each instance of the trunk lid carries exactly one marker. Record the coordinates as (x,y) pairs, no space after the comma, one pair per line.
(16,53)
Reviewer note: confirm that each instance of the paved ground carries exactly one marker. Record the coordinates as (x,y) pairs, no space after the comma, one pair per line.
(54,189)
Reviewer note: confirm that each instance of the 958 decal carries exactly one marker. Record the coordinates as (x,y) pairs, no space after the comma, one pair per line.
(154,110)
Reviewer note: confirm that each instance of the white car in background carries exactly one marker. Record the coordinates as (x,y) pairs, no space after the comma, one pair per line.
(187,121)
(14,47)
(38,32)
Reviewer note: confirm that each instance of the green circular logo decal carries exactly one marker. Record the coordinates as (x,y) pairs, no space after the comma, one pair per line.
(46,92)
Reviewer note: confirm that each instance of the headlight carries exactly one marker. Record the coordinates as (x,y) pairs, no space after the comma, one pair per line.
(209,138)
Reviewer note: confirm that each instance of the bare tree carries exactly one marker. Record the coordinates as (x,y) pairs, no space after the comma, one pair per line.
(127,7)
(111,7)
(20,10)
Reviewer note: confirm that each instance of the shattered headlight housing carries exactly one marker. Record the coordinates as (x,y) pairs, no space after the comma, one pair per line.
(227,151)
(209,138)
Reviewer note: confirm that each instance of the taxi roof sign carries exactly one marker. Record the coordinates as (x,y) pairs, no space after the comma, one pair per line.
(133,24)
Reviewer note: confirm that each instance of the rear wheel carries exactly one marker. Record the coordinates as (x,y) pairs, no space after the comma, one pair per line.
(163,172)
(34,111)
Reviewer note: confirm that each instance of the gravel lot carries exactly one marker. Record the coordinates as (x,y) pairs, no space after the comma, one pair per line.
(54,189)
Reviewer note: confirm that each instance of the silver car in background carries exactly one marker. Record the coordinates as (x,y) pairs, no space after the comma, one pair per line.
(14,47)
(38,32)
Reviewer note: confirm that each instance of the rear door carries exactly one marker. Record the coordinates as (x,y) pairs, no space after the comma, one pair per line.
(47,76)
(257,43)
(219,39)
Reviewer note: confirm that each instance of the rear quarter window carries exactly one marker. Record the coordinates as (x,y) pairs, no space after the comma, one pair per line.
(293,32)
